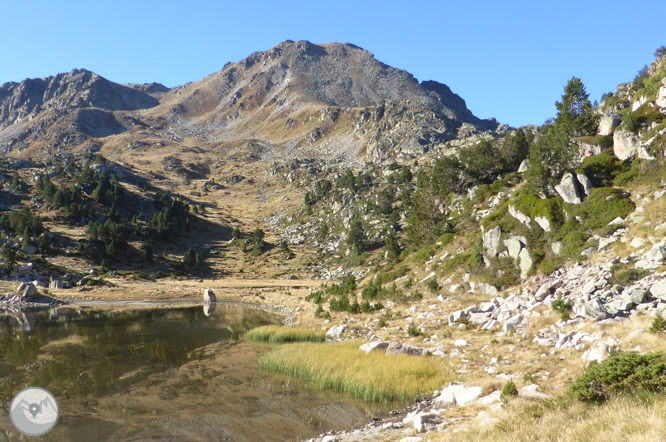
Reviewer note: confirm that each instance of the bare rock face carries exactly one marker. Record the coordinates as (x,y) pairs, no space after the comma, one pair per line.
(608,123)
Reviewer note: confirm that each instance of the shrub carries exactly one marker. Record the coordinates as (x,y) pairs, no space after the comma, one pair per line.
(563,307)
(432,285)
(621,373)
(603,206)
(508,391)
(412,330)
(658,325)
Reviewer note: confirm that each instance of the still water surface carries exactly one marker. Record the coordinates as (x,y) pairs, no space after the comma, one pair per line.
(177,374)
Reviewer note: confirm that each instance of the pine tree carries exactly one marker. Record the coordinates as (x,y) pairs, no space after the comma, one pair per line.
(574,112)
(356,236)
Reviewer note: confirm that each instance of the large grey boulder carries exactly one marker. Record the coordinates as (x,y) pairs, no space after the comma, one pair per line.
(627,145)
(491,241)
(608,123)
(569,189)
(461,394)
(512,323)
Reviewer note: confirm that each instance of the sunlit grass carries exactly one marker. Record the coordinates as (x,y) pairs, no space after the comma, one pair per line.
(275,334)
(372,377)
(621,419)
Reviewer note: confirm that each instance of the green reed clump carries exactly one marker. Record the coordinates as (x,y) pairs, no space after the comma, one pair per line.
(276,334)
(373,377)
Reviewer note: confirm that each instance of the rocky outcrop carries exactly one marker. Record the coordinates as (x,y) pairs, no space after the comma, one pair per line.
(628,145)
(608,123)
(569,189)
(209,296)
(491,241)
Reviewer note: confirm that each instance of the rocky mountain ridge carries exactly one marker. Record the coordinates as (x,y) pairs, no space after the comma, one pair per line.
(331,101)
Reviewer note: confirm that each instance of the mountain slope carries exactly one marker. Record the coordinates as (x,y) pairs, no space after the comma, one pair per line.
(332,101)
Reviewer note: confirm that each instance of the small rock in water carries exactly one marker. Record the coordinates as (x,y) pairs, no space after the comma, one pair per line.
(209,296)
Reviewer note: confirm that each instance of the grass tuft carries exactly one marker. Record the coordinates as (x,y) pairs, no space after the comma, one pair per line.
(373,377)
(275,334)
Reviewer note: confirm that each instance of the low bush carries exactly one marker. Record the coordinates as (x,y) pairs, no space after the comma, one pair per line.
(621,373)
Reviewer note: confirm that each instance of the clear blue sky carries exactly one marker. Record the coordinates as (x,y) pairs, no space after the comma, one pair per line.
(508,60)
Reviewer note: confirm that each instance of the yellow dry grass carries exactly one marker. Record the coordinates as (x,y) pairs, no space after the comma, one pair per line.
(623,419)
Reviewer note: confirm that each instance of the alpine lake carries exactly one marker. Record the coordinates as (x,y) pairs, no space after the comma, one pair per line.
(175,373)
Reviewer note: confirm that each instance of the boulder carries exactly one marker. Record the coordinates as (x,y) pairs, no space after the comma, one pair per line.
(209,296)
(543,222)
(661,97)
(514,245)
(608,123)
(531,391)
(525,263)
(26,292)
(638,103)
(372,346)
(627,145)
(479,318)
(520,216)
(490,399)
(569,189)
(463,395)
(512,323)
(658,289)
(543,291)
(585,183)
(524,166)
(396,348)
(445,399)
(455,317)
(491,241)
(653,258)
(556,247)
(461,343)
(336,331)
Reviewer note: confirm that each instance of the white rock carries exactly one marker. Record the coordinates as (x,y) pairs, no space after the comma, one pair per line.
(543,222)
(658,289)
(524,166)
(209,296)
(520,216)
(608,123)
(530,391)
(372,346)
(616,222)
(637,242)
(491,241)
(525,263)
(512,323)
(492,398)
(336,331)
(569,189)
(461,343)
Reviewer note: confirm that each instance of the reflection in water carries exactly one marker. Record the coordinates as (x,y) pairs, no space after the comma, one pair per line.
(182,373)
